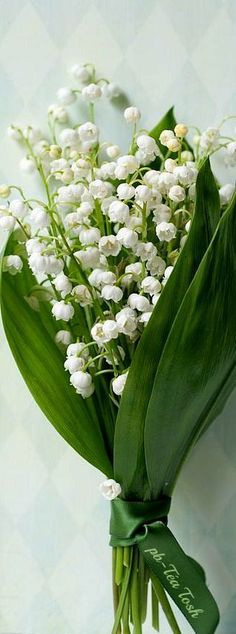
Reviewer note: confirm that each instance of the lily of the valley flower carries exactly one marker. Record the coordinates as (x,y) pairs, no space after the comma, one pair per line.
(110,489)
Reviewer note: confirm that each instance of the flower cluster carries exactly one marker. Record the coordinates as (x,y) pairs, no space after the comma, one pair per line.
(104,241)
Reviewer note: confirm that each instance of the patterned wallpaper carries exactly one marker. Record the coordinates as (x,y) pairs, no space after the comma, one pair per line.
(54,574)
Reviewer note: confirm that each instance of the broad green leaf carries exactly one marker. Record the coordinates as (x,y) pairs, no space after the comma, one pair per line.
(129,434)
(198,365)
(30,335)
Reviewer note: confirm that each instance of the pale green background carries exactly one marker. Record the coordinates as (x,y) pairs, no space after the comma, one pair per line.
(54,573)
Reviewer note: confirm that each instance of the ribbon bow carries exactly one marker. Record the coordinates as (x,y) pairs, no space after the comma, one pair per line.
(145,524)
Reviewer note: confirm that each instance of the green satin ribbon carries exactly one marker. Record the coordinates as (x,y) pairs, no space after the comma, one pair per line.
(145,524)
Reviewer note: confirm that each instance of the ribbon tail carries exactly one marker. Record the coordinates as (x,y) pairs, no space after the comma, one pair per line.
(181,576)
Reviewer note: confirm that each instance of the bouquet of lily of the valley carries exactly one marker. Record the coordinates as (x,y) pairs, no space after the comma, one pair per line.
(118,299)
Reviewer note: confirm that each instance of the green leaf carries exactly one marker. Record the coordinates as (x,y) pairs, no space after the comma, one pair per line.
(30,336)
(168,122)
(129,435)
(198,365)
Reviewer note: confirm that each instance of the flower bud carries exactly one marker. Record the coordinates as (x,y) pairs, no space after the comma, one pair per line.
(177,194)
(61,310)
(66,96)
(38,263)
(151,285)
(118,212)
(144,318)
(82,295)
(113,151)
(62,284)
(63,337)
(135,270)
(174,145)
(230,157)
(146,143)
(166,231)
(109,245)
(33,134)
(88,132)
(125,191)
(17,208)
(80,72)
(92,92)
(34,245)
(99,189)
(14,133)
(90,236)
(170,165)
(166,181)
(155,299)
(74,363)
(181,130)
(68,137)
(168,271)
(110,489)
(113,293)
(4,191)
(209,140)
(166,136)
(162,213)
(118,384)
(67,176)
(7,222)
(226,192)
(58,113)
(126,165)
(77,348)
(143,193)
(97,333)
(12,264)
(126,321)
(151,178)
(186,174)
(186,156)
(139,302)
(40,218)
(89,258)
(132,114)
(27,165)
(111,90)
(110,329)
(82,382)
(55,151)
(127,237)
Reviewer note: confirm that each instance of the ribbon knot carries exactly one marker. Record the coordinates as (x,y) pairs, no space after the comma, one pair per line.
(145,524)
(129,519)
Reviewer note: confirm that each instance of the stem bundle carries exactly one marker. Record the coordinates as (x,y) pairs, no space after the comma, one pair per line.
(131,581)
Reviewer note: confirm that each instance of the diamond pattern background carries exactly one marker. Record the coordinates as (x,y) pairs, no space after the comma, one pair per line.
(54,576)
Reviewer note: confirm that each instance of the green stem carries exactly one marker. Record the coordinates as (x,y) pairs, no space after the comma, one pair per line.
(155,611)
(119,565)
(116,592)
(125,617)
(144,579)
(126,558)
(123,594)
(161,595)
(135,599)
